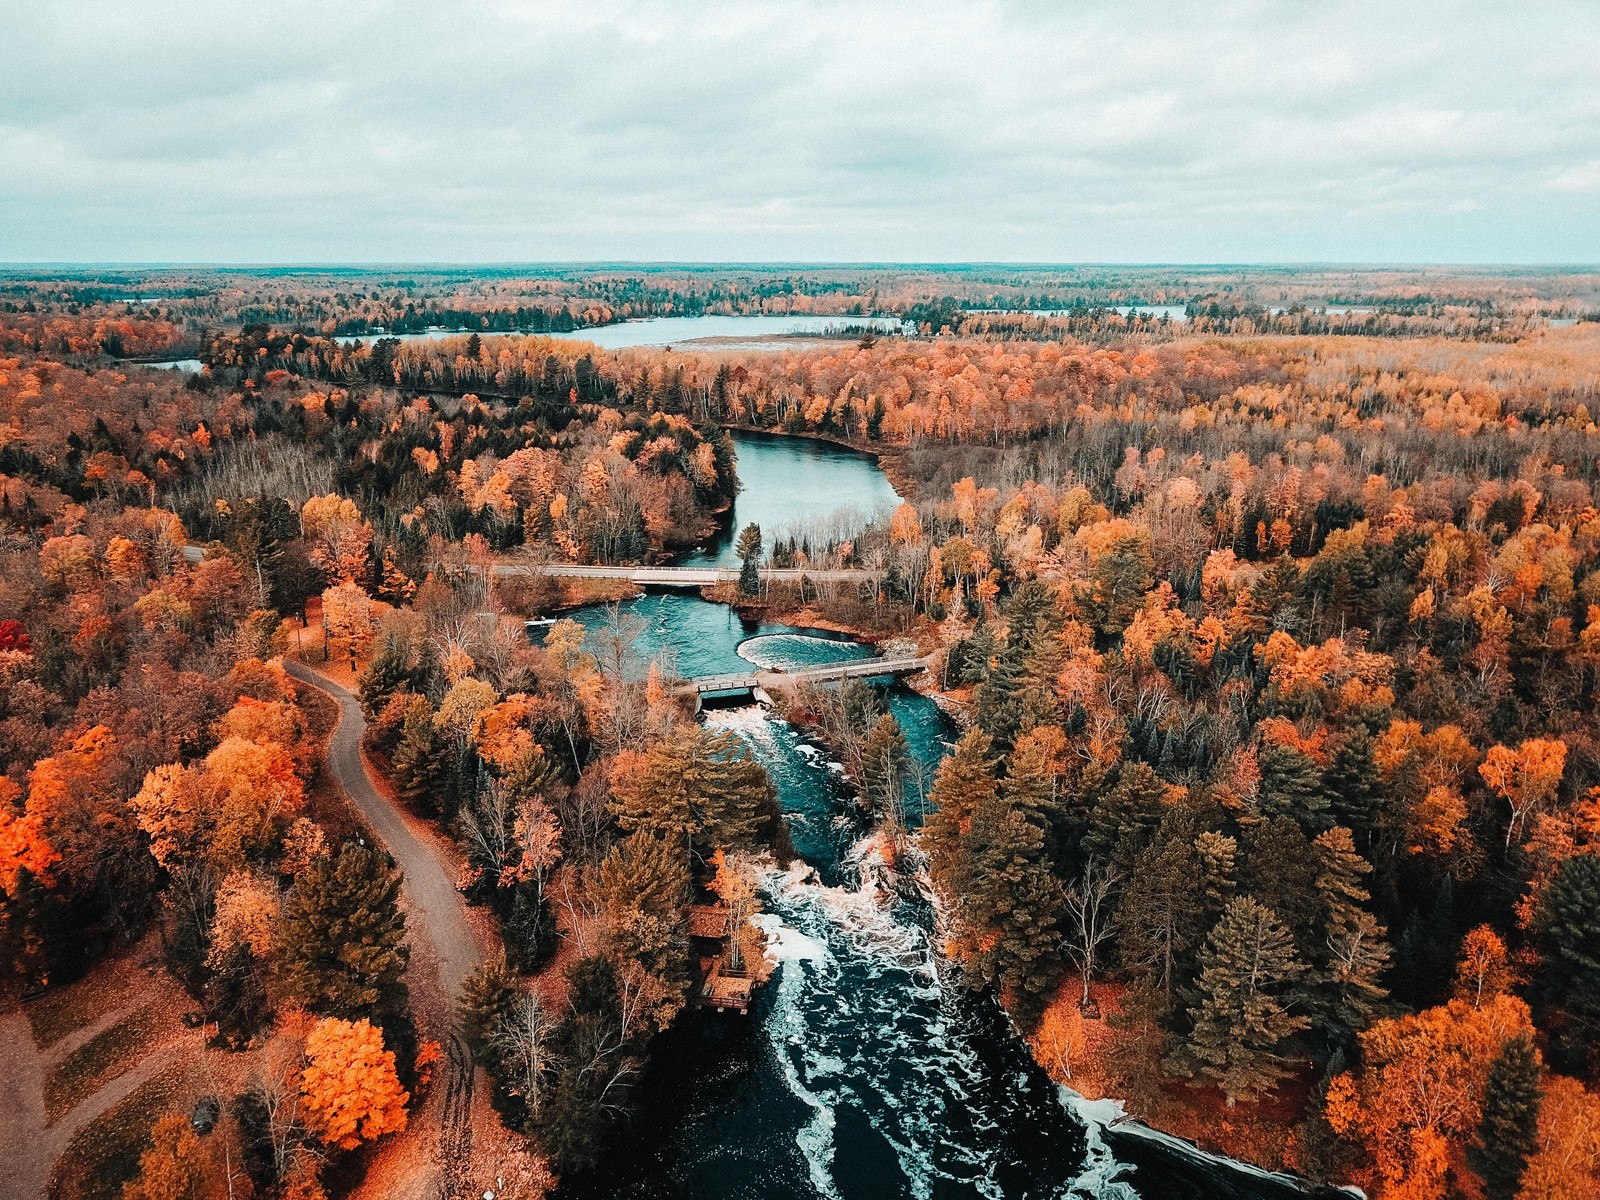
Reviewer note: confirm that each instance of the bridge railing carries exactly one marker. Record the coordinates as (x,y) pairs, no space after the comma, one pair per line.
(723,683)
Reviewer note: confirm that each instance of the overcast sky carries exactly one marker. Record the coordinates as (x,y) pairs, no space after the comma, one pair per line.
(1067,131)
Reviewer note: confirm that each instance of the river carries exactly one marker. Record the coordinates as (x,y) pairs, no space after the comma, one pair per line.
(794,486)
(863,1071)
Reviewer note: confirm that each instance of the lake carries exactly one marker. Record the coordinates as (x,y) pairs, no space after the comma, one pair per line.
(674,331)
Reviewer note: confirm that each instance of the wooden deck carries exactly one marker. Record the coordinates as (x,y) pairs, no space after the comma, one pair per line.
(725,991)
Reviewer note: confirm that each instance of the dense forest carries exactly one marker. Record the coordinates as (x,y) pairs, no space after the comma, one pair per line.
(1018,302)
(1274,640)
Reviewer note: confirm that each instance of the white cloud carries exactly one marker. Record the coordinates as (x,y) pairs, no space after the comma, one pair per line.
(1582,178)
(1027,130)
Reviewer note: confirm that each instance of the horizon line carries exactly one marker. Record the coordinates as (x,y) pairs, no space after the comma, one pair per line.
(8,266)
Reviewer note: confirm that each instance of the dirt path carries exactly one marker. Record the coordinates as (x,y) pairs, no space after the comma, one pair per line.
(437,913)
(442,940)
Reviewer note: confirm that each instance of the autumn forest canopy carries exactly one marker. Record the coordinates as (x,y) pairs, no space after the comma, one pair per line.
(1264,605)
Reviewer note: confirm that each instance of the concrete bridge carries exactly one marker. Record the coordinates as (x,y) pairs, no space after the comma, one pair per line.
(758,681)
(685,577)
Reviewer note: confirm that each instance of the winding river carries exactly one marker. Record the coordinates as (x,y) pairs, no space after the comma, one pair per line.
(863,1072)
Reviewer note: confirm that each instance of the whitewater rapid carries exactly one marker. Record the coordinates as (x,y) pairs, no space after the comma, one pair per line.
(894,1062)
(865,1031)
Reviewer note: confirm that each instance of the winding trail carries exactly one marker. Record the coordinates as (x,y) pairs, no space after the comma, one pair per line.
(436,921)
(437,915)
(441,938)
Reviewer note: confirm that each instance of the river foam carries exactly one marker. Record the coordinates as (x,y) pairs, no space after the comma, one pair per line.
(789,651)
(1102,1175)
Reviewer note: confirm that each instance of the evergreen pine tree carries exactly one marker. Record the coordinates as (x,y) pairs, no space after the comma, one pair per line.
(1240,1008)
(966,778)
(1274,598)
(884,760)
(1215,886)
(1009,912)
(1013,674)
(726,459)
(1123,822)
(1031,787)
(344,946)
(1163,916)
(1508,1133)
(1278,867)
(1354,954)
(1570,924)
(748,548)
(1122,579)
(643,887)
(1353,787)
(970,659)
(487,994)
(702,791)
(875,414)
(1038,692)
(1291,786)
(998,702)
(422,760)
(385,675)
(860,704)
(38,933)
(427,672)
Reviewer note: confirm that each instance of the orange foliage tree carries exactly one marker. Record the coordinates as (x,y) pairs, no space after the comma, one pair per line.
(1418,1096)
(234,805)
(1525,778)
(351,1091)
(1567,1162)
(177,1166)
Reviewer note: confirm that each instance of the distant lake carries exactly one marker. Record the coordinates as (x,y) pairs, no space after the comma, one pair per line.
(1173,312)
(673,331)
(669,331)
(190,365)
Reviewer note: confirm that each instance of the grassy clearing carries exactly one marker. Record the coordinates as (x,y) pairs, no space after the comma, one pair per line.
(103,1057)
(105,1155)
